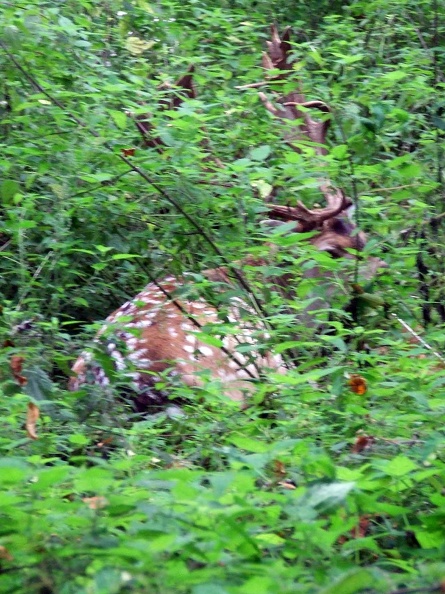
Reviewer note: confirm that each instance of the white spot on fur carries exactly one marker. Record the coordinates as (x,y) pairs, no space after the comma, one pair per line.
(119,360)
(199,305)
(132,343)
(139,356)
(150,300)
(144,323)
(150,314)
(206,351)
(188,348)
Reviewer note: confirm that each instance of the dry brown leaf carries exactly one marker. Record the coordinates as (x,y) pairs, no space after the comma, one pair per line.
(5,554)
(359,531)
(105,442)
(357,383)
(362,443)
(279,468)
(95,502)
(16,364)
(32,417)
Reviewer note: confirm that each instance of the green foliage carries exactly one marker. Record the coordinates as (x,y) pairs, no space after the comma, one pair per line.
(314,487)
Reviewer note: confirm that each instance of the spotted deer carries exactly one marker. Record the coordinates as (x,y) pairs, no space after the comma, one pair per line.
(163,331)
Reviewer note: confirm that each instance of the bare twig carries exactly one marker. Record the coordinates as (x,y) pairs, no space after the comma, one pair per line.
(256,85)
(237,275)
(419,590)
(418,338)
(34,276)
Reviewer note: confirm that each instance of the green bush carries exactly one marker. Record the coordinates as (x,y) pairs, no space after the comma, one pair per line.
(319,485)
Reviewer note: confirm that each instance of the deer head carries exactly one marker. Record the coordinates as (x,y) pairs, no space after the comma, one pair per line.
(160,330)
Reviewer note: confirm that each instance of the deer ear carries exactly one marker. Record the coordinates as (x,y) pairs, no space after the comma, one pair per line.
(326,243)
(270,223)
(350,213)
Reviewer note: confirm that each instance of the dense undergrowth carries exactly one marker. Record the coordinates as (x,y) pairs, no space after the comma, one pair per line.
(332,479)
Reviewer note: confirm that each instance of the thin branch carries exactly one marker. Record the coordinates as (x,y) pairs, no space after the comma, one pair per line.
(419,590)
(425,46)
(390,189)
(239,278)
(5,245)
(256,85)
(418,338)
(33,278)
(406,232)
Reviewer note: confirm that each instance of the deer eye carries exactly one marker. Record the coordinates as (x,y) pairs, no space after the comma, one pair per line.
(341,227)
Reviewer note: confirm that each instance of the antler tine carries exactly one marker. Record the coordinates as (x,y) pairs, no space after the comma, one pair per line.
(309,219)
(294,106)
(336,200)
(277,49)
(276,58)
(184,87)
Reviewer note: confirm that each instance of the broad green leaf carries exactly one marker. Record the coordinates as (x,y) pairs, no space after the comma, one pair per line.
(13,470)
(358,580)
(438,122)
(39,384)
(78,439)
(50,477)
(324,496)
(293,379)
(125,256)
(251,445)
(270,539)
(67,25)
(119,118)
(258,584)
(94,480)
(8,188)
(260,153)
(103,249)
(398,466)
(429,539)
(395,75)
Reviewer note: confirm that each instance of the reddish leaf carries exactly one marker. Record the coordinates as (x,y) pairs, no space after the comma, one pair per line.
(16,364)
(32,417)
(362,443)
(357,384)
(5,554)
(95,502)
(279,468)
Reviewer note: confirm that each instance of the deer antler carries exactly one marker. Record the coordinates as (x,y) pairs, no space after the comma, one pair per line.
(186,88)
(310,219)
(294,106)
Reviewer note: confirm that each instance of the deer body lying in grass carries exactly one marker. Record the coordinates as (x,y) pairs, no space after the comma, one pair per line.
(165,332)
